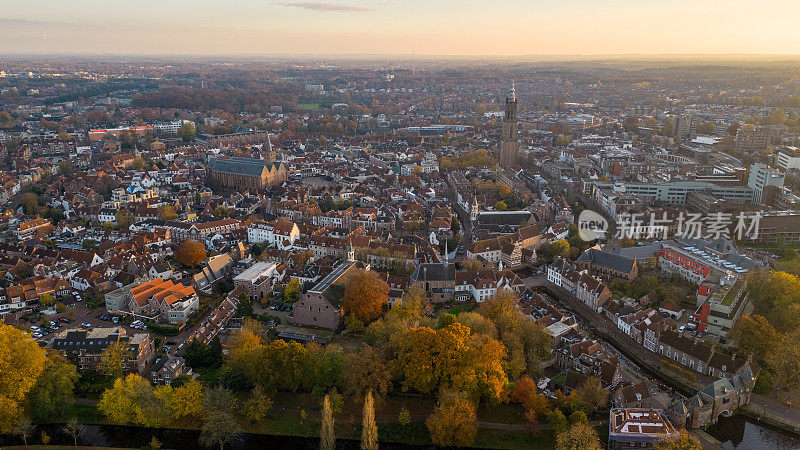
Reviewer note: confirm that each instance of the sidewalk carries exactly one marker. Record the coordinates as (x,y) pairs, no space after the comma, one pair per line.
(775,411)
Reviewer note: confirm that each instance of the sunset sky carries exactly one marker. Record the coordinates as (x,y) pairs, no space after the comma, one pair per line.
(435,27)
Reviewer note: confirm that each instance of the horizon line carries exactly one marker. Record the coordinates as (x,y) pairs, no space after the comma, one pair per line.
(414,55)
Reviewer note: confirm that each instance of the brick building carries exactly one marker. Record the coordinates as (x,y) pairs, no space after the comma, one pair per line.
(245,173)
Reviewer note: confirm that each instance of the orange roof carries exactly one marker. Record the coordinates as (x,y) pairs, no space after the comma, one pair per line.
(162,291)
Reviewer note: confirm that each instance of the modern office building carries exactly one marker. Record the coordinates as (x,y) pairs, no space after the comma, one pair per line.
(760,177)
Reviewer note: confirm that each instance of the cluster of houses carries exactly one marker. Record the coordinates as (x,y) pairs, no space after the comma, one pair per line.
(654,329)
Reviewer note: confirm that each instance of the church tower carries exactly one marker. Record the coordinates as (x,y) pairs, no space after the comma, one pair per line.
(509,144)
(267,152)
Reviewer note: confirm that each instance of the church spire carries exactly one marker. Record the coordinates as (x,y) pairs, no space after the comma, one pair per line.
(512,94)
(351,252)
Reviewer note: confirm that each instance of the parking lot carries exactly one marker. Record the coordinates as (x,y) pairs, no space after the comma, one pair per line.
(75,315)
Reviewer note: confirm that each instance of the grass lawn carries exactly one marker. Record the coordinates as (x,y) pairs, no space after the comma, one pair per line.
(456,311)
(309,105)
(515,440)
(503,413)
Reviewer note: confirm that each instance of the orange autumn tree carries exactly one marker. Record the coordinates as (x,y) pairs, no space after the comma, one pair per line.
(190,253)
(365,295)
(428,360)
(526,394)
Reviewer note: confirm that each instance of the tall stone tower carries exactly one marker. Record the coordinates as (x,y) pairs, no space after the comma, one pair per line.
(509,143)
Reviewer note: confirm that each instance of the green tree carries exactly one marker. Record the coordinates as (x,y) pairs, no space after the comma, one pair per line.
(29,202)
(187,132)
(220,426)
(52,395)
(47,299)
(557,421)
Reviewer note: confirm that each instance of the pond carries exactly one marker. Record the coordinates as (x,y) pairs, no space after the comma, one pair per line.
(740,432)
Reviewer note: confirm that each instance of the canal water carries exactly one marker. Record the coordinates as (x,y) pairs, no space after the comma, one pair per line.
(740,432)
(138,437)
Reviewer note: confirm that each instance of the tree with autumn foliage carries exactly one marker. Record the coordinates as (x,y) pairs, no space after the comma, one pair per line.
(525,393)
(579,436)
(369,430)
(593,394)
(527,342)
(365,295)
(133,400)
(190,253)
(451,357)
(755,335)
(112,359)
(22,360)
(187,400)
(366,370)
(684,441)
(454,421)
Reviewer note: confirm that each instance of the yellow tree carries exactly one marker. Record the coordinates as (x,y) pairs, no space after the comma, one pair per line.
(245,353)
(257,407)
(327,436)
(187,400)
(427,360)
(684,441)
(369,433)
(454,421)
(579,437)
(123,402)
(112,359)
(755,335)
(22,360)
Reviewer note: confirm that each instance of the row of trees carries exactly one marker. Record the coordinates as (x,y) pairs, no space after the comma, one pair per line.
(772,332)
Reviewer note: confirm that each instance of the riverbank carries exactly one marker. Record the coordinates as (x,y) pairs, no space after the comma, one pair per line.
(499,426)
(770,418)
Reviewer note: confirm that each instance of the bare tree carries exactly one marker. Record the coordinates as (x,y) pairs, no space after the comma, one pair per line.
(23,428)
(74,429)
